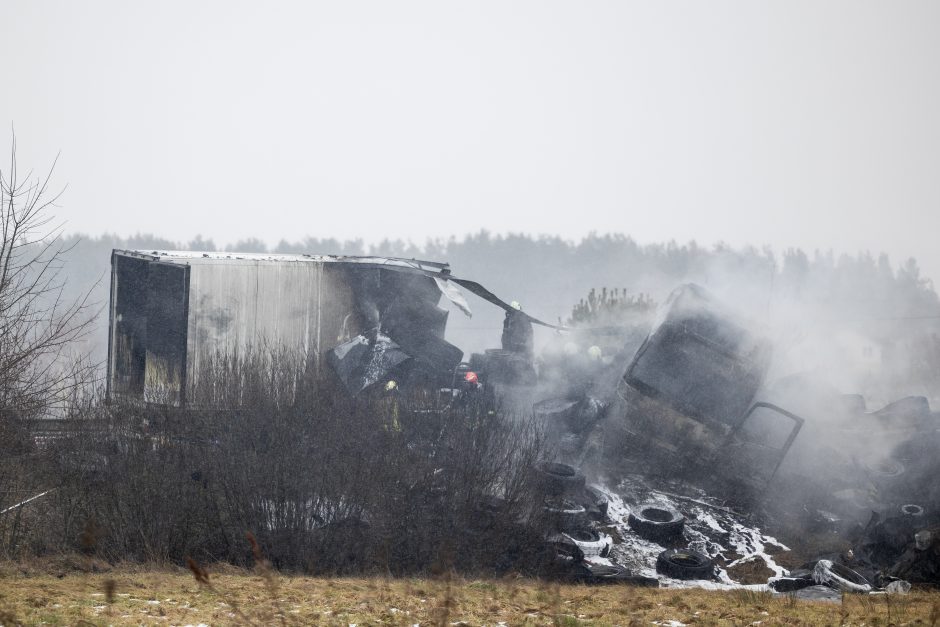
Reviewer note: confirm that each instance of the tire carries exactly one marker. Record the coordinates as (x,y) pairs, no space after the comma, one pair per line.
(685,564)
(796,581)
(559,479)
(591,542)
(596,503)
(562,554)
(589,573)
(884,469)
(586,414)
(912,510)
(839,577)
(656,522)
(909,408)
(565,514)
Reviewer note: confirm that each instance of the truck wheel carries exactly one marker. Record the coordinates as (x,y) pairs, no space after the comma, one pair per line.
(559,478)
(591,573)
(685,564)
(591,542)
(884,469)
(565,514)
(840,577)
(656,522)
(597,503)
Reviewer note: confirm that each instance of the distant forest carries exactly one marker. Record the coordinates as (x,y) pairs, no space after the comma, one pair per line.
(886,305)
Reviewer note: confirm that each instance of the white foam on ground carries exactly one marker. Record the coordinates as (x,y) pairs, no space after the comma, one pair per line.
(709,529)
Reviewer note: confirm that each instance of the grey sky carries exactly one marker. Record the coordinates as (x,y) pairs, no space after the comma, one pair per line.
(811,124)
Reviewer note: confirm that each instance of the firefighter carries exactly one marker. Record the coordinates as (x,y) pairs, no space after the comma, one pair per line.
(517,336)
(469,389)
(470,382)
(390,400)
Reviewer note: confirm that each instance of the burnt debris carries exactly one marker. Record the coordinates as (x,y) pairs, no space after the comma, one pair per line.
(671,447)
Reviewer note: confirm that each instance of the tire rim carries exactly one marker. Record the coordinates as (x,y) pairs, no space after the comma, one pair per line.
(656,514)
(886,468)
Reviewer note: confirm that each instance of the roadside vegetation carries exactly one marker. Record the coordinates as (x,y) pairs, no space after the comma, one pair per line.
(419,509)
(393,484)
(327,485)
(153,595)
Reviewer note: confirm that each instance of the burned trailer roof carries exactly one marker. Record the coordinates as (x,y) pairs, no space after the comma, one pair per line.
(195,257)
(175,313)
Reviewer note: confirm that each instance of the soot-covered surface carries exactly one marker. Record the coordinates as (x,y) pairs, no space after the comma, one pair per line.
(710,528)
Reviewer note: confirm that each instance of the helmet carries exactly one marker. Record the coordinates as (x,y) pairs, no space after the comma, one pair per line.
(595,352)
(391,385)
(471,377)
(515,305)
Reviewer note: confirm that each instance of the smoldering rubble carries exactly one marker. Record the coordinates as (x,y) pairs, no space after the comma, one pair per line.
(686,432)
(673,457)
(716,474)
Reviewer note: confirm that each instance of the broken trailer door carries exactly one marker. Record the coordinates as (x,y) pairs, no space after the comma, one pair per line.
(165,360)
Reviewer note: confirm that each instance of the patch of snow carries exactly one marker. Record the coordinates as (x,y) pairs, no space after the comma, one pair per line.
(710,529)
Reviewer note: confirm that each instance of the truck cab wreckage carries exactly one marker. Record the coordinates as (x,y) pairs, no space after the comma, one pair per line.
(673,417)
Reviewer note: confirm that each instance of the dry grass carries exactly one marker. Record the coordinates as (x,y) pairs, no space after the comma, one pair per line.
(133,596)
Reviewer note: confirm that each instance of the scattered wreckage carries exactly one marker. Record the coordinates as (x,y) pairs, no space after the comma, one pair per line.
(681,402)
(689,405)
(173,314)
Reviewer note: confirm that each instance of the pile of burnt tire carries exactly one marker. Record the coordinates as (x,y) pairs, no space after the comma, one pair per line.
(831,578)
(896,539)
(662,524)
(824,574)
(576,548)
(876,490)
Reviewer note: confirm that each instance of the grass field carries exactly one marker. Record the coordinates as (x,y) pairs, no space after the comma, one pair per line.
(133,596)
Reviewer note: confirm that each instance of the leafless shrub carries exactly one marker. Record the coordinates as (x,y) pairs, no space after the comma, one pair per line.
(320,480)
(41,369)
(39,328)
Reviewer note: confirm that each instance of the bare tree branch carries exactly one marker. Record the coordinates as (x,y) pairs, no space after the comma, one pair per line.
(40,363)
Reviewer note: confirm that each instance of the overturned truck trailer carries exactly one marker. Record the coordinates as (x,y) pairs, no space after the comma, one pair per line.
(174,314)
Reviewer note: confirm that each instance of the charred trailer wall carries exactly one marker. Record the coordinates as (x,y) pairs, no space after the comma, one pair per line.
(147,335)
(253,307)
(175,318)
(179,320)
